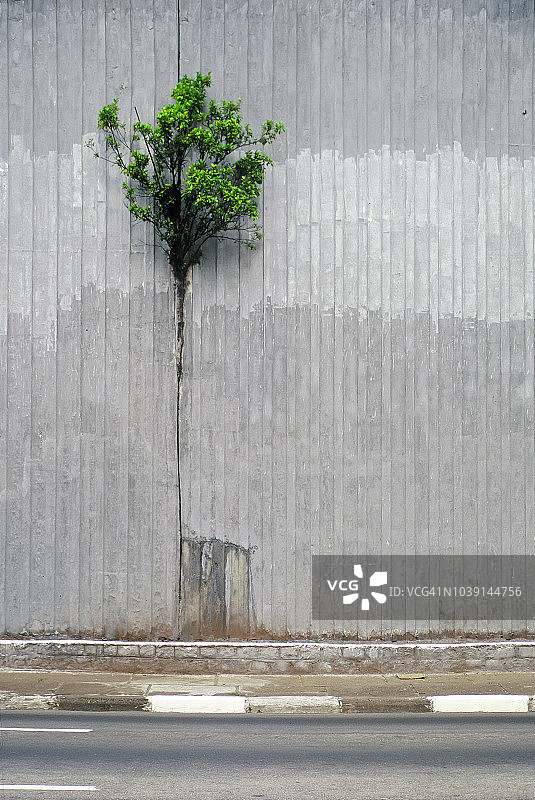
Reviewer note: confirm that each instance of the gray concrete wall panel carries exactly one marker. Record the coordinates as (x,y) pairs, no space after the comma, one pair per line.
(88,487)
(389,316)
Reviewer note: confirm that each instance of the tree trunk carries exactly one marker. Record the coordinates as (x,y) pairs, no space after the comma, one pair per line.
(180,293)
(180,282)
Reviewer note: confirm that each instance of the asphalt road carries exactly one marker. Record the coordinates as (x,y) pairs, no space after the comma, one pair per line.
(131,756)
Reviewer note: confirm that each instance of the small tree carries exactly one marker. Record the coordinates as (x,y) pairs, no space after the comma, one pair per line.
(194,176)
(187,177)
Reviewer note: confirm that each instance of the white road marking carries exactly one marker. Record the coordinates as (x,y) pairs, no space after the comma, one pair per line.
(45,787)
(49,730)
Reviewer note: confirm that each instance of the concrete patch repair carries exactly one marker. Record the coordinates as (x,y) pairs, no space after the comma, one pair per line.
(216,585)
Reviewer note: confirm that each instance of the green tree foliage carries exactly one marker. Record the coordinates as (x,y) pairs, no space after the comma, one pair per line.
(194,175)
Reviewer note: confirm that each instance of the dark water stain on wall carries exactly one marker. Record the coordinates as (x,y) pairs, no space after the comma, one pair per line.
(216,590)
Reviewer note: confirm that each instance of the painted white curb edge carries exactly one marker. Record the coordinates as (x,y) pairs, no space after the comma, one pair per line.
(197,704)
(324,645)
(491,703)
(10,701)
(230,704)
(287,704)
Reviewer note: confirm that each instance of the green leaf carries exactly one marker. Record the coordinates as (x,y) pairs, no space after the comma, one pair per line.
(195,175)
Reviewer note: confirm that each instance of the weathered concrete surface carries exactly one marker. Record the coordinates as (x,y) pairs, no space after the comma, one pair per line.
(88,476)
(216,588)
(49,683)
(364,382)
(269,658)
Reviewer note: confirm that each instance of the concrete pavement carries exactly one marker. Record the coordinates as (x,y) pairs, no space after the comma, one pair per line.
(42,689)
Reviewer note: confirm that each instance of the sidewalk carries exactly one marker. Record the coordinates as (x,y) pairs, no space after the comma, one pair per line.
(417,692)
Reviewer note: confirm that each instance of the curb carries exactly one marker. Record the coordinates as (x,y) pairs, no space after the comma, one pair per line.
(322,704)
(385,705)
(482,703)
(268,657)
(109,703)
(284,704)
(232,704)
(196,704)
(9,701)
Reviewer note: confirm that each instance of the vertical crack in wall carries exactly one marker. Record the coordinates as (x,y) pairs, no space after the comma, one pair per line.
(180,288)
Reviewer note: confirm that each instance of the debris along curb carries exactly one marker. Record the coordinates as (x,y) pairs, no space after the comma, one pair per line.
(261,657)
(285,704)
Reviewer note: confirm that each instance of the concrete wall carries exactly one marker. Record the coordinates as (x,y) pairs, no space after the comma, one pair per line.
(88,465)
(363,383)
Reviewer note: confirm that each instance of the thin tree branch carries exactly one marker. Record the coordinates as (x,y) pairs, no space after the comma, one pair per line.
(149,151)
